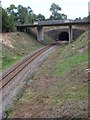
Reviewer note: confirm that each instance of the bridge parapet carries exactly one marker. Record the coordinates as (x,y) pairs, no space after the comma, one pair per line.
(49,22)
(61,22)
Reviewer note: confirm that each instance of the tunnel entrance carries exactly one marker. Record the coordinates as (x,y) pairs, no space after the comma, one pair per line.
(64,36)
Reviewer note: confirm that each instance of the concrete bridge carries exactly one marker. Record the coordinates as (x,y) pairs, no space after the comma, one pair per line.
(41,24)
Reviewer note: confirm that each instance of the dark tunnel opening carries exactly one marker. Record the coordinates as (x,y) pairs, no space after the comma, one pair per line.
(64,36)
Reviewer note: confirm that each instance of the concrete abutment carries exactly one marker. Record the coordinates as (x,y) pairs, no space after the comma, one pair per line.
(40,34)
(70,33)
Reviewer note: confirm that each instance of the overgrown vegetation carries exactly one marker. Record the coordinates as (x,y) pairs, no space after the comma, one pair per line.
(22,44)
(18,45)
(73,61)
(60,87)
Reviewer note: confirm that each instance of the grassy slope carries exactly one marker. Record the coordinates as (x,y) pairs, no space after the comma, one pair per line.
(48,39)
(60,85)
(22,45)
(69,70)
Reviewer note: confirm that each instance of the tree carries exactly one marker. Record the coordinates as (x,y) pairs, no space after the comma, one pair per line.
(78,19)
(55,9)
(56,15)
(10,10)
(5,21)
(64,16)
(0,2)
(12,16)
(31,15)
(40,17)
(11,23)
(85,18)
(33,18)
(25,14)
(29,10)
(22,14)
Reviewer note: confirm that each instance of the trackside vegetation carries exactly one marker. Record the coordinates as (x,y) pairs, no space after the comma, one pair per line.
(60,86)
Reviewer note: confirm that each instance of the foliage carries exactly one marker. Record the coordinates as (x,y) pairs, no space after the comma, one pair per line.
(81,19)
(78,19)
(63,67)
(11,55)
(10,10)
(55,9)
(5,21)
(25,15)
(40,17)
(11,21)
(16,15)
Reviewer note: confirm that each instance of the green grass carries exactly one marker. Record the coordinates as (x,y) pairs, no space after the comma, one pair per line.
(48,39)
(66,90)
(80,94)
(23,44)
(28,96)
(62,67)
(8,61)
(69,69)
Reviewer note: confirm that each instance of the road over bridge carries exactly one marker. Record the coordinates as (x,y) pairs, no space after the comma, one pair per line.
(41,24)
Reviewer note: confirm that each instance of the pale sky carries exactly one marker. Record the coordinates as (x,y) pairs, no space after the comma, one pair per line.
(72,8)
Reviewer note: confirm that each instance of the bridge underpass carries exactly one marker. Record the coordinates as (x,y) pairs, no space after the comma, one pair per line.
(41,24)
(64,36)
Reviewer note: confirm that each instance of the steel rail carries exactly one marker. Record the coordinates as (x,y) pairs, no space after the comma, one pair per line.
(13,73)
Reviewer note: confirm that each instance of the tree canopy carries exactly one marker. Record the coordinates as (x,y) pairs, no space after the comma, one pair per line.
(16,15)
(5,21)
(40,17)
(56,15)
(25,15)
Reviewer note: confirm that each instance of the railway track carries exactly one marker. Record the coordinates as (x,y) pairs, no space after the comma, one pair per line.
(10,75)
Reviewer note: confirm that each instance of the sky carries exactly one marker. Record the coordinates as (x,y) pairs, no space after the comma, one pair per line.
(72,8)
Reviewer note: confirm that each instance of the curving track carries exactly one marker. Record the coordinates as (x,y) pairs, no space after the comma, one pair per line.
(7,77)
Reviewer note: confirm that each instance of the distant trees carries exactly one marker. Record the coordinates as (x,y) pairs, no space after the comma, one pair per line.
(85,18)
(25,15)
(0,2)
(16,15)
(8,18)
(22,14)
(10,10)
(78,19)
(81,19)
(11,16)
(40,17)
(56,15)
(5,21)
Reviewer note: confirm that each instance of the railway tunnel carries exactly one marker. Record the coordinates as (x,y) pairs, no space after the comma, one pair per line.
(63,36)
